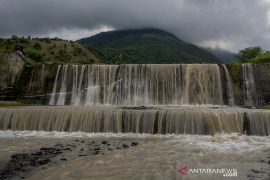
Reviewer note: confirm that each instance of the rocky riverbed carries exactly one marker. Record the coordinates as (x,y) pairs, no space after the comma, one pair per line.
(52,155)
(23,163)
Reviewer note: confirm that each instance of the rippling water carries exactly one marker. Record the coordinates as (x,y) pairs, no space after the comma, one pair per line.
(156,156)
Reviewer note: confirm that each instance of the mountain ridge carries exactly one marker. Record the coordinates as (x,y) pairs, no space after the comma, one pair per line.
(145,46)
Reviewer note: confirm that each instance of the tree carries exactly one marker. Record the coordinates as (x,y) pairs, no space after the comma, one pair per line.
(247,54)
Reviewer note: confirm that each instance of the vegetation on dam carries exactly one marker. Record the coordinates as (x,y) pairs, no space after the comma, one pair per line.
(253,55)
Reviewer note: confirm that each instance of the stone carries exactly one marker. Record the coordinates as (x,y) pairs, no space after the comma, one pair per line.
(125,146)
(255,171)
(134,144)
(103,142)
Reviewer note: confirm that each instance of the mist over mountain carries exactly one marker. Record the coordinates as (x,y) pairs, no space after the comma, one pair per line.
(223,55)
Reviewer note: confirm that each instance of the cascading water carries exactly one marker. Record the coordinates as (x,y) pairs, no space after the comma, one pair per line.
(169,94)
(62,95)
(231,101)
(136,85)
(161,120)
(249,87)
(53,95)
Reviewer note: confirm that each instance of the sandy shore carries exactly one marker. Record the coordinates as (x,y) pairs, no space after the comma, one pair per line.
(153,157)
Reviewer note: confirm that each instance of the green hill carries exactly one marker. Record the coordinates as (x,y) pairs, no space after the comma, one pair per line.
(145,46)
(45,50)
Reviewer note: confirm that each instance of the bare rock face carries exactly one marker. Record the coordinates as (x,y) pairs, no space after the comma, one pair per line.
(11,66)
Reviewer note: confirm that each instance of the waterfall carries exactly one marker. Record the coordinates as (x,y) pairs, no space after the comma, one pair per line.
(53,95)
(249,88)
(231,101)
(75,83)
(63,87)
(202,85)
(77,93)
(143,98)
(170,120)
(140,85)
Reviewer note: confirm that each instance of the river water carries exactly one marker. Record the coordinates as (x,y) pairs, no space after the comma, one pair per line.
(155,157)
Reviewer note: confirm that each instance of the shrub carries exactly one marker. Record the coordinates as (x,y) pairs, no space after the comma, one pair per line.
(63,55)
(78,51)
(35,56)
(37,46)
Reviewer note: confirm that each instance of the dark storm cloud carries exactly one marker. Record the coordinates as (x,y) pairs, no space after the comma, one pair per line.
(230,24)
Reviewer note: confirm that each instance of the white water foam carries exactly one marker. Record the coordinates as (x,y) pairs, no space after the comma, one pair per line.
(220,142)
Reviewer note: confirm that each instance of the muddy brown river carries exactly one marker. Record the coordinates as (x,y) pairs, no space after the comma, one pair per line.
(154,157)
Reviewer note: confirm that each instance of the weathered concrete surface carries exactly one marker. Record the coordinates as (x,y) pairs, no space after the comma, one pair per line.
(40,83)
(262,80)
(11,66)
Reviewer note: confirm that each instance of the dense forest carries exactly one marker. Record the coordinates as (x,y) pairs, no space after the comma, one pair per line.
(145,46)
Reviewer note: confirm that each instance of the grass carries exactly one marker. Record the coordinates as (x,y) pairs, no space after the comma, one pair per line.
(19,102)
(266,106)
(10,103)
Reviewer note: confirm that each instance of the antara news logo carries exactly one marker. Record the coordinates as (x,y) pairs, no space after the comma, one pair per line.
(185,171)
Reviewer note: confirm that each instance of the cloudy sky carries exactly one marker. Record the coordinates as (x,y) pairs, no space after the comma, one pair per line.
(227,24)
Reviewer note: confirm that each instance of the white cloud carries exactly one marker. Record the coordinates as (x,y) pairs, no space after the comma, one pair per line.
(220,44)
(76,33)
(268,15)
